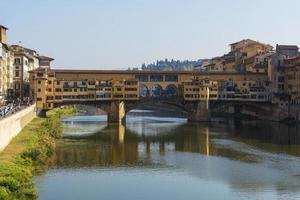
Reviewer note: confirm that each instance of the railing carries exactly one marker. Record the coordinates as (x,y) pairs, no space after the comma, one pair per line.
(12,108)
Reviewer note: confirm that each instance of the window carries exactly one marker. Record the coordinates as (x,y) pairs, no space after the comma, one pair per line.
(156,78)
(49,97)
(130,96)
(280,79)
(57,83)
(66,84)
(131,83)
(17,74)
(142,78)
(39,90)
(130,89)
(171,78)
(17,86)
(49,82)
(39,82)
(17,61)
(39,99)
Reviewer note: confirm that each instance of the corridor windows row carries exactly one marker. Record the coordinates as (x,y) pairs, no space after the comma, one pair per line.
(157,78)
(130,89)
(195,89)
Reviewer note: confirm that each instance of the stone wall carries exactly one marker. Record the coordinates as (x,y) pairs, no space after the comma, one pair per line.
(12,125)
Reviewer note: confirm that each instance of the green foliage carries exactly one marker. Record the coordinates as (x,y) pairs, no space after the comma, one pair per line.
(3,193)
(10,183)
(16,183)
(28,153)
(171,65)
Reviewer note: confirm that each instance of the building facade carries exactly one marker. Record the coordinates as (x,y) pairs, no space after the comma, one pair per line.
(227,90)
(24,60)
(292,79)
(282,61)
(4,62)
(49,90)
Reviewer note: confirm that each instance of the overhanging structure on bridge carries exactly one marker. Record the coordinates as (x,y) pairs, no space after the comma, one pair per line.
(114,89)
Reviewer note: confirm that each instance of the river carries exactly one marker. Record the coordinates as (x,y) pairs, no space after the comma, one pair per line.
(158,156)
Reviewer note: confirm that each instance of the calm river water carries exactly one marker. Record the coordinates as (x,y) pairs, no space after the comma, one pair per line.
(157,156)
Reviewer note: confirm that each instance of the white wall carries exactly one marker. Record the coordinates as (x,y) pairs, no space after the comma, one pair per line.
(12,125)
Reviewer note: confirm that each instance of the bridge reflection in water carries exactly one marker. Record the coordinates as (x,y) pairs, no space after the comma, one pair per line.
(117,145)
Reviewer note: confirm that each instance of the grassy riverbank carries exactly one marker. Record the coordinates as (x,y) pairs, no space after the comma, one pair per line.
(27,154)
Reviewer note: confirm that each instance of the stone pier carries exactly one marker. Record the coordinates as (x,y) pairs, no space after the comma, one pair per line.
(199,111)
(116,113)
(41,113)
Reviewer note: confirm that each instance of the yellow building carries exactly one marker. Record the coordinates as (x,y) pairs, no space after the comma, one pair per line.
(3,62)
(292,79)
(244,55)
(199,90)
(249,54)
(49,90)
(24,60)
(229,90)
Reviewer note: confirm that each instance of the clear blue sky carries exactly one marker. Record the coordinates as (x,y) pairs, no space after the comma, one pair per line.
(116,34)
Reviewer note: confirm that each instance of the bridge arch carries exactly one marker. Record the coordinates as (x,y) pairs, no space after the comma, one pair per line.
(250,108)
(156,90)
(144,90)
(171,90)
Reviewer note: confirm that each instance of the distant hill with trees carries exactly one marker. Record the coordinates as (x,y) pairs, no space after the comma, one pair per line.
(171,65)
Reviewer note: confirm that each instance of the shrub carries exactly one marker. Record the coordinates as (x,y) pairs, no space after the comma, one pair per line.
(4,194)
(10,183)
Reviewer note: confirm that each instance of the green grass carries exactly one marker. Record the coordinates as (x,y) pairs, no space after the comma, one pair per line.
(27,154)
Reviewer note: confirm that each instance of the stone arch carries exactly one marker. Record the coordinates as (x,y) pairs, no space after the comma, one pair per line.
(144,91)
(171,90)
(156,90)
(253,108)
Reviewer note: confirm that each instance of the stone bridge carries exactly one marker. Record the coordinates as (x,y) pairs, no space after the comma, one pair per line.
(118,92)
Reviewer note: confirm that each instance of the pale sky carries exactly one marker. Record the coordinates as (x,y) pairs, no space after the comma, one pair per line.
(117,34)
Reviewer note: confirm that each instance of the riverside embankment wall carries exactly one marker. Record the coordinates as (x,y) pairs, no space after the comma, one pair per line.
(12,125)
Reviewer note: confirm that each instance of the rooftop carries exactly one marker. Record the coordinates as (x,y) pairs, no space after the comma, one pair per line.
(1,26)
(244,40)
(295,47)
(45,58)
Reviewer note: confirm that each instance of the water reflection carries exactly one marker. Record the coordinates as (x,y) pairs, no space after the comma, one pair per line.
(130,145)
(238,159)
(116,145)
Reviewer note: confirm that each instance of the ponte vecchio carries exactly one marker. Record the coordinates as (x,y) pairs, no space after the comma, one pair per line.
(119,91)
